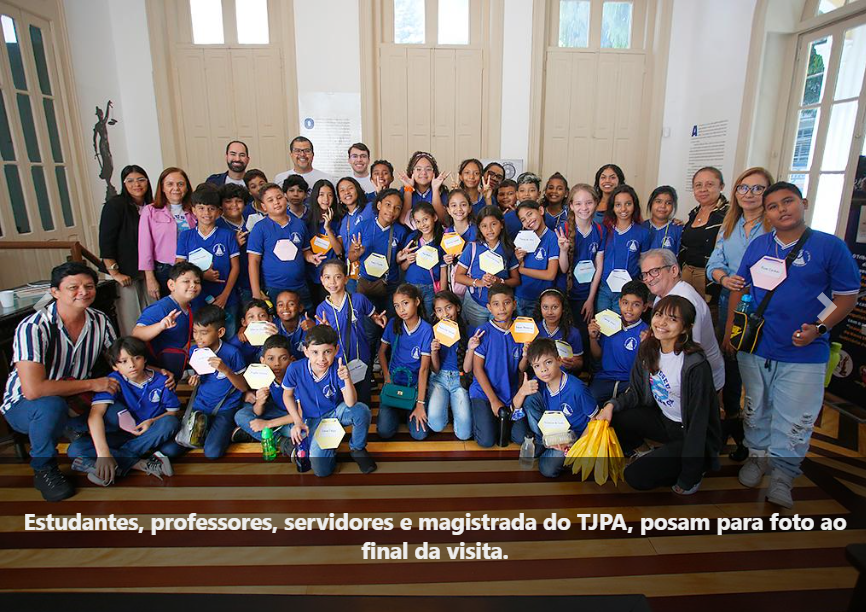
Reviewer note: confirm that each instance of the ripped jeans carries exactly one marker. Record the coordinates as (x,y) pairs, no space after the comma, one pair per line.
(781,406)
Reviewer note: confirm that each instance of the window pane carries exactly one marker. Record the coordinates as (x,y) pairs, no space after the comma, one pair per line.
(574,23)
(16,197)
(850,77)
(409,22)
(53,134)
(39,56)
(839,134)
(14,51)
(825,6)
(804,143)
(7,149)
(65,203)
(207,22)
(827,202)
(252,17)
(453,22)
(616,25)
(42,197)
(816,75)
(801,181)
(29,129)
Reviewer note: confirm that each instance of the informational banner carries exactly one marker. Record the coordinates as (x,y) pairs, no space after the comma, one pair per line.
(706,147)
(332,122)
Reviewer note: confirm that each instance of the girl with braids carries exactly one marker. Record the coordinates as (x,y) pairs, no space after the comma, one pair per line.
(408,336)
(469,174)
(554,201)
(671,399)
(429,233)
(450,381)
(553,316)
(422,182)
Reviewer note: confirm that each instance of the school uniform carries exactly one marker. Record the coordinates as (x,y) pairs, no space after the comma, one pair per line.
(586,247)
(295,338)
(252,215)
(222,245)
(375,239)
(349,225)
(249,352)
(242,287)
(529,289)
(554,222)
(469,235)
(501,355)
(274,408)
(216,389)
(512,223)
(276,274)
(475,311)
(785,383)
(478,205)
(169,348)
(573,339)
(618,353)
(407,350)
(622,250)
(314,273)
(445,391)
(321,397)
(426,281)
(668,236)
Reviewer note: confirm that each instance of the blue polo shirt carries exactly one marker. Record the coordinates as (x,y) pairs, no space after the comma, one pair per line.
(668,236)
(295,338)
(417,275)
(276,390)
(147,400)
(407,349)
(375,240)
(244,276)
(478,205)
(502,357)
(824,265)
(448,357)
(622,250)
(358,346)
(573,399)
(547,251)
(249,352)
(349,225)
(276,273)
(556,221)
(175,340)
(213,387)
(585,248)
(315,272)
(512,223)
(469,260)
(573,338)
(317,396)
(468,236)
(222,244)
(618,352)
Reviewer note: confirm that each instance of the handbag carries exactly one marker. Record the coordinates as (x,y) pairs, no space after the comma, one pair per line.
(746,328)
(193,425)
(401,397)
(377,289)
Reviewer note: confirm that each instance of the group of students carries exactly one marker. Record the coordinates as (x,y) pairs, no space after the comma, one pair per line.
(344,278)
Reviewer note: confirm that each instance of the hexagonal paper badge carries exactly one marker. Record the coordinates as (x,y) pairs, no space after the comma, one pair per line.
(329,434)
(452,243)
(320,244)
(257,332)
(258,375)
(768,273)
(609,322)
(564,349)
(285,250)
(199,361)
(527,240)
(376,265)
(427,257)
(446,332)
(524,330)
(491,262)
(552,422)
(200,258)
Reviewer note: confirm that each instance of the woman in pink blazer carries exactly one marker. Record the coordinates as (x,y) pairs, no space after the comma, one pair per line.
(158,228)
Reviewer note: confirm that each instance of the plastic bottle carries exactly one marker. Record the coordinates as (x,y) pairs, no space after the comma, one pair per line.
(504,426)
(835,358)
(302,455)
(745,306)
(527,453)
(269,448)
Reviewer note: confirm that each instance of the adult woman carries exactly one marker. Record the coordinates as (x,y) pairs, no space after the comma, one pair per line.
(608,178)
(118,244)
(699,233)
(158,227)
(671,400)
(743,223)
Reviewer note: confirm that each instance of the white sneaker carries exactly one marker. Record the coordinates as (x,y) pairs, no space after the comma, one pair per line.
(80,464)
(753,469)
(156,465)
(779,491)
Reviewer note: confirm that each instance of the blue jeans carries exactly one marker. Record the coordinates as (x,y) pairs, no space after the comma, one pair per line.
(551,462)
(389,420)
(474,314)
(526,307)
(486,425)
(43,420)
(607,299)
(781,406)
(358,416)
(444,389)
(427,293)
(603,390)
(245,415)
(125,447)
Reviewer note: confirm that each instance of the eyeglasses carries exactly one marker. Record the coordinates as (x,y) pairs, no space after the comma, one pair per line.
(136,181)
(653,272)
(359,156)
(306,151)
(423,168)
(755,189)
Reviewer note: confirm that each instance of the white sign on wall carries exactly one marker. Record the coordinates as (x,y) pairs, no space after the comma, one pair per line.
(332,122)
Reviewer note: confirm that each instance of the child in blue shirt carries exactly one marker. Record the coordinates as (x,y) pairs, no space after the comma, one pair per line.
(219,393)
(428,233)
(554,320)
(253,310)
(355,208)
(665,232)
(111,450)
(497,364)
(320,387)
(297,189)
(553,203)
(289,322)
(553,391)
(324,224)
(234,198)
(449,382)
(265,407)
(617,352)
(166,325)
(408,336)
(538,269)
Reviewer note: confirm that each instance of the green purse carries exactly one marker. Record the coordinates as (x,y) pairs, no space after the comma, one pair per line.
(401,397)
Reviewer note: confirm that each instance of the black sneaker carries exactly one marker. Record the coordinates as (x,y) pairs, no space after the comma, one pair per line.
(740,454)
(364,461)
(287,449)
(239,436)
(53,485)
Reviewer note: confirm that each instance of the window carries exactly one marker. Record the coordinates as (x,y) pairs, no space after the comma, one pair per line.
(433,22)
(574,23)
(827,6)
(252,19)
(453,22)
(616,25)
(409,22)
(207,22)
(579,26)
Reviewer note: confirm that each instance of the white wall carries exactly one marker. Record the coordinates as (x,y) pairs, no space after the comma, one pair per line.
(705,83)
(516,77)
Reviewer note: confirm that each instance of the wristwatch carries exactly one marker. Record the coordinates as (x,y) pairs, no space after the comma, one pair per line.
(822,329)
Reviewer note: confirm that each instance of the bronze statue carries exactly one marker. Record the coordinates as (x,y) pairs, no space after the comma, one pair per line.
(101,148)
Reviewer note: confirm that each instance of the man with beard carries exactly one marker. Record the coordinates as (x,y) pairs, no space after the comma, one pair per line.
(237,160)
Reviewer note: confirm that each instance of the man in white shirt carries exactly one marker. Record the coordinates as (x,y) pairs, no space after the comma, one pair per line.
(237,160)
(359,160)
(661,273)
(301,152)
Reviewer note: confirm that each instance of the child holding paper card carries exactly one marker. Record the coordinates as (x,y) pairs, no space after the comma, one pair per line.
(254,311)
(487,262)
(448,383)
(618,351)
(555,322)
(264,407)
(324,228)
(425,254)
(581,255)
(463,225)
(538,266)
(354,210)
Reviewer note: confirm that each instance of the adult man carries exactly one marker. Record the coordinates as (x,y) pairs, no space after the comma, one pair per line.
(53,354)
(302,154)
(237,160)
(359,160)
(661,273)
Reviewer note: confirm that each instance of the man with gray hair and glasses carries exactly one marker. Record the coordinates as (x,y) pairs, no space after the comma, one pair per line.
(661,273)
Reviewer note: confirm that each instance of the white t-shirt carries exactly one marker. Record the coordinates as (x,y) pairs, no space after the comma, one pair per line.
(365,183)
(235,181)
(311,177)
(703,332)
(179,217)
(666,385)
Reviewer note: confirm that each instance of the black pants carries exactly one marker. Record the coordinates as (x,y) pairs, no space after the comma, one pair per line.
(733,424)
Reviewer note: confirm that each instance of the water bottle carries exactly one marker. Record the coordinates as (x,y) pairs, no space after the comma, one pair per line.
(504,417)
(527,453)
(269,448)
(302,455)
(745,305)
(835,358)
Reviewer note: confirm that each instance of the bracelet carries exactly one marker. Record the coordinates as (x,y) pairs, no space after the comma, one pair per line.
(724,276)
(408,188)
(474,280)
(422,402)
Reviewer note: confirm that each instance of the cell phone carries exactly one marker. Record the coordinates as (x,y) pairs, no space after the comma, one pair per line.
(126,421)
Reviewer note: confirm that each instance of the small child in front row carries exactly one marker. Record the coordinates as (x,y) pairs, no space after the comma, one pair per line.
(265,407)
(318,383)
(112,450)
(617,352)
(289,322)
(253,310)
(554,319)
(218,394)
(665,233)
(497,365)
(553,391)
(447,386)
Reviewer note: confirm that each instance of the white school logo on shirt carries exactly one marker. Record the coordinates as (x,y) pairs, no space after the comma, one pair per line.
(416,352)
(667,242)
(394,243)
(593,248)
(220,375)
(540,255)
(329,391)
(632,246)
(566,409)
(155,395)
(802,259)
(296,238)
(219,250)
(630,344)
(517,352)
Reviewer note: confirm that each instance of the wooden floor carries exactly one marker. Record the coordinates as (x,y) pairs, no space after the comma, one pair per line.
(443,477)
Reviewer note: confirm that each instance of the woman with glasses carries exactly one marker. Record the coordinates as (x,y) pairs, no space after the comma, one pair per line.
(118,244)
(743,223)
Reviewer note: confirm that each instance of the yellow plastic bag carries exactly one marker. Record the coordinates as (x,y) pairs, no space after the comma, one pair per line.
(597,451)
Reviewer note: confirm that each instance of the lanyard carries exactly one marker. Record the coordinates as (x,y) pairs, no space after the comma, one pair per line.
(349,320)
